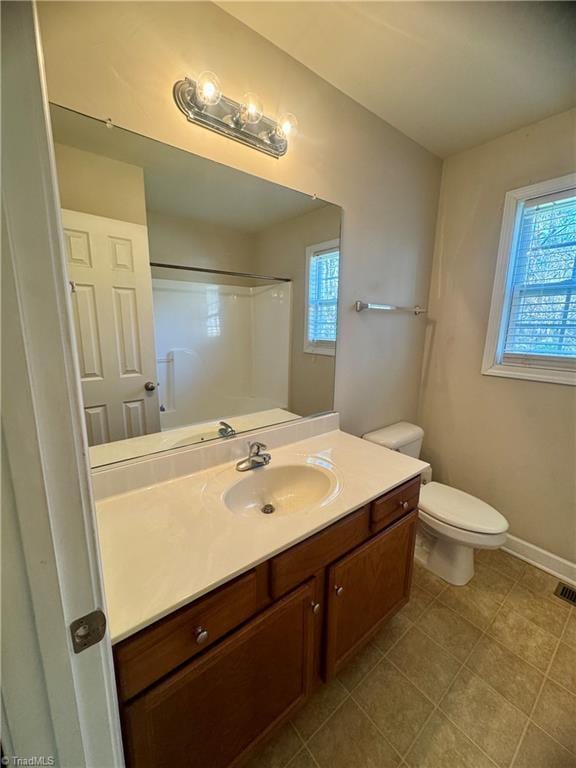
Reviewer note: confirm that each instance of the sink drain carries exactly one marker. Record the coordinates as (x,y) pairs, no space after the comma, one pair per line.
(267,509)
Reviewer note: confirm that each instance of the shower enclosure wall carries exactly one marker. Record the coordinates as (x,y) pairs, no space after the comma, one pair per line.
(223,346)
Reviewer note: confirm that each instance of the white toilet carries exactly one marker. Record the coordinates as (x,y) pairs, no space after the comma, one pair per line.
(452,523)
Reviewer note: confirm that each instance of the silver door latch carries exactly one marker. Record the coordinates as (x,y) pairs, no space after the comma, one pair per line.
(88,630)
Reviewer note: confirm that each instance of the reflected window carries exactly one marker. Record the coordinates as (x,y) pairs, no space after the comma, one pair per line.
(213,328)
(322,274)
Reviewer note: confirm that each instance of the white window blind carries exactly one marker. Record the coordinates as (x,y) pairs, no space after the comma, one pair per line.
(322,303)
(541,318)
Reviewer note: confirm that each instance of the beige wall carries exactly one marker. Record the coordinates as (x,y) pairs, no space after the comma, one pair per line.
(186,242)
(95,184)
(511,442)
(120,60)
(282,251)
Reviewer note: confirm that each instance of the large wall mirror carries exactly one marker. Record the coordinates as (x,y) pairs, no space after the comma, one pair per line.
(205,299)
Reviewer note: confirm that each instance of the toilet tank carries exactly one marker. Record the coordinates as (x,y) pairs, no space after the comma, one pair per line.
(403,437)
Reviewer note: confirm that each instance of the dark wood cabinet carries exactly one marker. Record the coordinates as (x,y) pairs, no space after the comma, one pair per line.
(149,655)
(204,686)
(303,560)
(394,505)
(365,588)
(216,708)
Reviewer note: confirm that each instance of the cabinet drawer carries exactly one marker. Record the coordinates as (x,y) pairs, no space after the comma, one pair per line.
(304,560)
(391,507)
(153,652)
(213,711)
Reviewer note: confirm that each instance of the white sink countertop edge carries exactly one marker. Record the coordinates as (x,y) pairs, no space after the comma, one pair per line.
(162,546)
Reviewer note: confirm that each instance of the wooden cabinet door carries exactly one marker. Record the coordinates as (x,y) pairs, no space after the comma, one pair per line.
(213,711)
(366,587)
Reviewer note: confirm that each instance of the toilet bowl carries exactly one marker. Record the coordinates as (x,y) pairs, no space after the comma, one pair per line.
(452,523)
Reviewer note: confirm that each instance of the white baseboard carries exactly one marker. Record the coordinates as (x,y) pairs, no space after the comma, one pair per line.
(557,566)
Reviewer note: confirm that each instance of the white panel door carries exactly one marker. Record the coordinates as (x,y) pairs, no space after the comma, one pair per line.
(109,267)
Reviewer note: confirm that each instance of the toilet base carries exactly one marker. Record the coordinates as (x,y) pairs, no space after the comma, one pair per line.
(452,562)
(448,552)
(447,559)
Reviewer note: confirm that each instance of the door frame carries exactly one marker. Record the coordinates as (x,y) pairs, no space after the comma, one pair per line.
(46,452)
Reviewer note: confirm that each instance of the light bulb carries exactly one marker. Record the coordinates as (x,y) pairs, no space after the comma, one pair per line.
(252,109)
(208,90)
(287,125)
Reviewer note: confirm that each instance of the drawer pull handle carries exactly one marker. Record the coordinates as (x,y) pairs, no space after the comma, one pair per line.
(315,607)
(339,590)
(201,635)
(405,506)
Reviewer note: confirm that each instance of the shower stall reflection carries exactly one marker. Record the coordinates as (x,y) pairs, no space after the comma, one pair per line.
(222,344)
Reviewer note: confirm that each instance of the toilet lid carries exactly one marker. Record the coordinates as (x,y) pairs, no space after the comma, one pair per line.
(454,507)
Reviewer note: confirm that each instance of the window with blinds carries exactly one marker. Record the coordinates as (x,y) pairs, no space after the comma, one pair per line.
(541,322)
(323,263)
(532,326)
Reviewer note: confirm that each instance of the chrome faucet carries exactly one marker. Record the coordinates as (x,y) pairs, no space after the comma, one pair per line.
(226,430)
(255,458)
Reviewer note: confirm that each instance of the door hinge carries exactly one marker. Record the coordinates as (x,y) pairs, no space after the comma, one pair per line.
(88,630)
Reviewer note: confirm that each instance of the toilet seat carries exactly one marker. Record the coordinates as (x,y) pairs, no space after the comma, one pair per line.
(452,507)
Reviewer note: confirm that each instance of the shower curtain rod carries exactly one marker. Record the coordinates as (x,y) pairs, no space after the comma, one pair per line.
(222,272)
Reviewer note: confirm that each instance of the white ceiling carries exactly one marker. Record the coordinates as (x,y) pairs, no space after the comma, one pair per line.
(450,75)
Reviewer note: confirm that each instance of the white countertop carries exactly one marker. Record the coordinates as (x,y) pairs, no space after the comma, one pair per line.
(168,544)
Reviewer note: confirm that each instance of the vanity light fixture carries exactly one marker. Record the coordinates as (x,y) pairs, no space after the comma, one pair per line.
(203,103)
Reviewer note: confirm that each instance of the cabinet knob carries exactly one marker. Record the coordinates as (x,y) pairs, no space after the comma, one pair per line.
(201,635)
(405,506)
(338,589)
(315,607)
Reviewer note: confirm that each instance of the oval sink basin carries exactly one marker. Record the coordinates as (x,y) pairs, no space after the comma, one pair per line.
(281,490)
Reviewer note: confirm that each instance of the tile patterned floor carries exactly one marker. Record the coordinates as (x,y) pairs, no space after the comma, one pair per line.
(463,677)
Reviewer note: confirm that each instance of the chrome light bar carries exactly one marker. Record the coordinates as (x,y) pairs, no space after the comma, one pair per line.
(226,117)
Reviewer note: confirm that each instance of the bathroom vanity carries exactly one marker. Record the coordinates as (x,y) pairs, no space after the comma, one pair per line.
(206,683)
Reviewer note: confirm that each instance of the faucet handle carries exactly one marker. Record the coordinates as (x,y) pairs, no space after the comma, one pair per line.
(256,447)
(226,430)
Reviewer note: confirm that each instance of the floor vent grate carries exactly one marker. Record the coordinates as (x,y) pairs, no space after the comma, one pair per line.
(564,592)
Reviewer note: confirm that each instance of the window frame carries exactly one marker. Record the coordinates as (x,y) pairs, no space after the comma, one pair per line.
(327,348)
(492,362)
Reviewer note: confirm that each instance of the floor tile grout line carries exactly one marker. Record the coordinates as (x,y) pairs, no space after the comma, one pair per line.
(401,637)
(448,608)
(323,723)
(382,734)
(436,705)
(361,680)
(536,700)
(365,675)
(427,697)
(492,637)
(437,709)
(483,633)
(516,655)
(545,674)
(427,637)
(316,763)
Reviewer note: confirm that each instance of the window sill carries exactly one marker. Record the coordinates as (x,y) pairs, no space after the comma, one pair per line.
(529,373)
(326,350)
